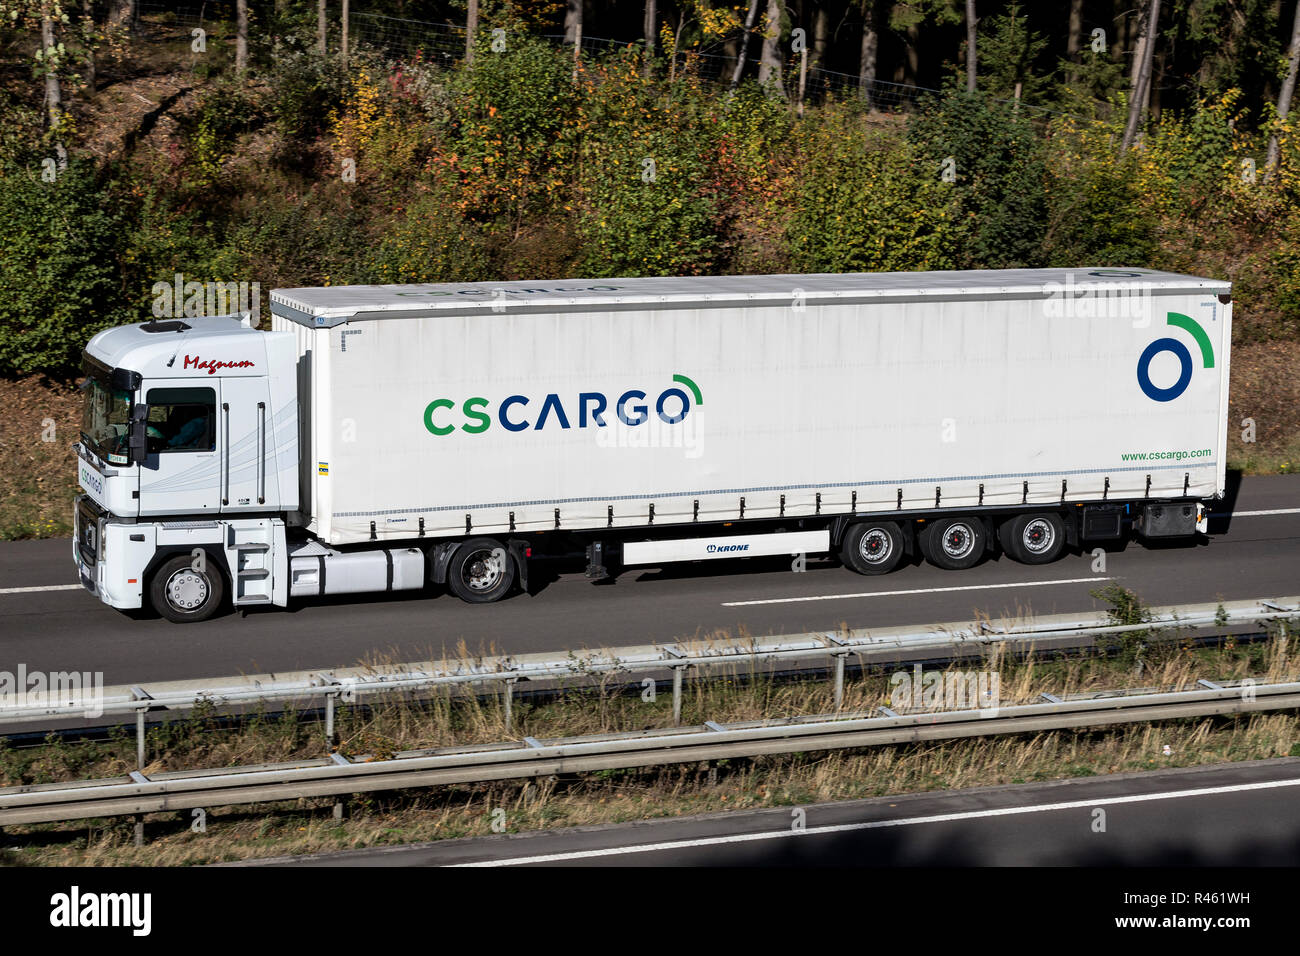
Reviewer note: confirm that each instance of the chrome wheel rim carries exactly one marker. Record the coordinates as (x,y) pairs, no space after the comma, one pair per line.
(1039,536)
(958,541)
(876,546)
(187,590)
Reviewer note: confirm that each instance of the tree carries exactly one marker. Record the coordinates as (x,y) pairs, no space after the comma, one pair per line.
(750,16)
(970,46)
(50,58)
(870,50)
(573,21)
(1009,51)
(1142,78)
(321,32)
(241,35)
(1284,97)
(769,63)
(471,27)
(650,27)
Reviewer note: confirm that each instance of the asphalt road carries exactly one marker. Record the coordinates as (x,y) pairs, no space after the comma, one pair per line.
(1250,556)
(1229,815)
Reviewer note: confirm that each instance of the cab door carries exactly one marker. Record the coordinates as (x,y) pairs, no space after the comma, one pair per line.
(182,471)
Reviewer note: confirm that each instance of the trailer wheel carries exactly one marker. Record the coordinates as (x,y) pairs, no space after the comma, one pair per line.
(872,547)
(1033,539)
(480,571)
(182,593)
(954,543)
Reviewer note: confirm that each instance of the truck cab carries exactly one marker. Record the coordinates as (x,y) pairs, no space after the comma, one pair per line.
(188,456)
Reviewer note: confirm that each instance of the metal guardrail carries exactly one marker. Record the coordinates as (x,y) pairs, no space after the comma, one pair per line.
(181,790)
(506,671)
(705,656)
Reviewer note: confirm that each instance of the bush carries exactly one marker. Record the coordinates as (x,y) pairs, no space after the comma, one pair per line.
(1000,178)
(647,203)
(59,272)
(865,202)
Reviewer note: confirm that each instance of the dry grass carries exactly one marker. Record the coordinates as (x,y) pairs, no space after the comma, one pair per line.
(616,795)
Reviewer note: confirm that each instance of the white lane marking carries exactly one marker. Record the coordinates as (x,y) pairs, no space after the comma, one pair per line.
(1259,514)
(867,594)
(879,824)
(43,587)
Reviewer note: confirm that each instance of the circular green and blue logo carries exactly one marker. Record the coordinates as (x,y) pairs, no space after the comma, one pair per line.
(1180,351)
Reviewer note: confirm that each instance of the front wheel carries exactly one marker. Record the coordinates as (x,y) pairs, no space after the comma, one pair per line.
(480,571)
(186,589)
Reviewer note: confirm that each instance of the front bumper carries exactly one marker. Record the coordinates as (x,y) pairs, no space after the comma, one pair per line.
(111,557)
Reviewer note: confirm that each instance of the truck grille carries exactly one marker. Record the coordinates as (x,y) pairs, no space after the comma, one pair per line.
(87,531)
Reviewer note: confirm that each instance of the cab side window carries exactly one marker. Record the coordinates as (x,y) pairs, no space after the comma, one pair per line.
(182,419)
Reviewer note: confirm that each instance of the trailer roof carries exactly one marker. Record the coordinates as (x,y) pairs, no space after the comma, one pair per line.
(335,305)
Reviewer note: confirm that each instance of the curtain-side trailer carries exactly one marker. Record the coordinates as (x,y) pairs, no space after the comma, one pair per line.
(392,437)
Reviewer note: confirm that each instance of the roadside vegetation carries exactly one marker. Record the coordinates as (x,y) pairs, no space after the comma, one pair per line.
(1144,659)
(297,169)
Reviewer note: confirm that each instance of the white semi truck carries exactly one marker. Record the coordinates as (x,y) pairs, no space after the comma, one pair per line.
(382,438)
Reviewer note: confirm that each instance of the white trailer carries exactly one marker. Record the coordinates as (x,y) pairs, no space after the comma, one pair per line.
(449,433)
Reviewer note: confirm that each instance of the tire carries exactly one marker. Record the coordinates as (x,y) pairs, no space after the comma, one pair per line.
(184,595)
(481,571)
(872,547)
(1034,538)
(955,543)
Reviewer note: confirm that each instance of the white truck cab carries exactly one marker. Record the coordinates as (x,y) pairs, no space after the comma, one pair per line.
(188,454)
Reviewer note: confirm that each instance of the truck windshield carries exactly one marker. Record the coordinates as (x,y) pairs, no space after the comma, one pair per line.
(105,414)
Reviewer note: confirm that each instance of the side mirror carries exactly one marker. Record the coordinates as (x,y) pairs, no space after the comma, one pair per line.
(137,436)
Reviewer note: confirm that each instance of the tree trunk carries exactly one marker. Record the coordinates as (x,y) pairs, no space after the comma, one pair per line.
(970,46)
(89,7)
(345,39)
(322,32)
(870,52)
(649,27)
(769,64)
(912,62)
(1139,51)
(241,36)
(1142,88)
(53,94)
(1074,40)
(821,29)
(750,16)
(471,27)
(573,21)
(1284,97)
(121,13)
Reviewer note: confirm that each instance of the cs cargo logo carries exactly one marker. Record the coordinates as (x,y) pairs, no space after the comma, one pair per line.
(519,413)
(1179,351)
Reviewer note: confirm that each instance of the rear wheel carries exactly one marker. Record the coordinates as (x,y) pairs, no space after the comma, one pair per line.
(1033,539)
(481,571)
(954,543)
(185,589)
(873,547)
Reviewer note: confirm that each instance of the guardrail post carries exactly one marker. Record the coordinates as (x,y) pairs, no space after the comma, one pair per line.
(509,692)
(839,681)
(677,693)
(329,719)
(142,695)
